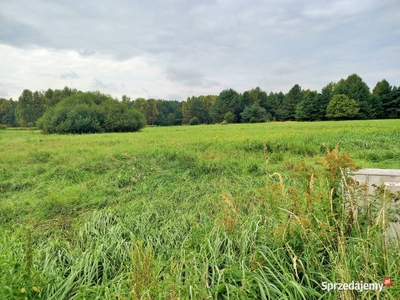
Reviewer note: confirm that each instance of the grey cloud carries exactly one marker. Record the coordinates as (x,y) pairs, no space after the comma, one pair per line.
(183,74)
(189,77)
(129,28)
(69,75)
(98,84)
(86,52)
(16,33)
(209,32)
(207,44)
(210,83)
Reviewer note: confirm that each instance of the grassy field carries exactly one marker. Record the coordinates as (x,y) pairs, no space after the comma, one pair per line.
(256,211)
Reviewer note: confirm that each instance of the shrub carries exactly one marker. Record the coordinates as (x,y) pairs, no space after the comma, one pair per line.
(194,121)
(229,117)
(91,112)
(3,127)
(254,114)
(340,107)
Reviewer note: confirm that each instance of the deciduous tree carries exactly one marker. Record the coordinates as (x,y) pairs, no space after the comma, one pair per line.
(151,111)
(229,117)
(5,108)
(340,107)
(25,109)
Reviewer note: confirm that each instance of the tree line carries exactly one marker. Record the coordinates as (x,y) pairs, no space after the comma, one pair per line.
(348,98)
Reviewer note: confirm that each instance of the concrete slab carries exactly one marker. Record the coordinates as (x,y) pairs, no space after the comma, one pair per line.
(377,177)
(378,172)
(390,180)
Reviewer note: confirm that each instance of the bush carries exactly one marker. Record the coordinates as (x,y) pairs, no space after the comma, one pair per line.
(90,112)
(3,127)
(194,121)
(254,114)
(229,117)
(340,107)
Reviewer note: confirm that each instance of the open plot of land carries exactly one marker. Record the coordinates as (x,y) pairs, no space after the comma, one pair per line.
(193,212)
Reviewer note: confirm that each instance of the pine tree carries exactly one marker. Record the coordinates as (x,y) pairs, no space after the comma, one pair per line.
(382,93)
(288,109)
(326,94)
(307,109)
(227,100)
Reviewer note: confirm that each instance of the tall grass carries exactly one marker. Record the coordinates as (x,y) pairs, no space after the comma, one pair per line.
(233,212)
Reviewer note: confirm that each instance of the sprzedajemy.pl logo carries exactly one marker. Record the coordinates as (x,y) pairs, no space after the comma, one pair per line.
(357,286)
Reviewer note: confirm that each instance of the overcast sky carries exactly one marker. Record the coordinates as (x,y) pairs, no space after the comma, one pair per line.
(175,49)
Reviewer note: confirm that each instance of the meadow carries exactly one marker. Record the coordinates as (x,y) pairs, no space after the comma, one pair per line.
(238,211)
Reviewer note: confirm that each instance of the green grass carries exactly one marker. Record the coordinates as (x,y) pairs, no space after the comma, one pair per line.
(193,212)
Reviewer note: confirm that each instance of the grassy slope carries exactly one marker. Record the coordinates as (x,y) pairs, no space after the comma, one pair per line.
(185,212)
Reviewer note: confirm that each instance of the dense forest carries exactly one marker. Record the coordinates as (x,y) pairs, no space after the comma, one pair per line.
(349,98)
